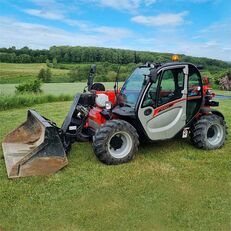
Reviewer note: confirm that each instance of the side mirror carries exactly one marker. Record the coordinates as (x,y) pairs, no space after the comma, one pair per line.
(90,80)
(153,75)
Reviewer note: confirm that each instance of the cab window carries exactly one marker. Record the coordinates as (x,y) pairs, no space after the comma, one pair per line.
(194,93)
(194,82)
(150,96)
(171,86)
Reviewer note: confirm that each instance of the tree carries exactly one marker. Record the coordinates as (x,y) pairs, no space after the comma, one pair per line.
(79,74)
(48,63)
(48,75)
(54,61)
(45,75)
(41,74)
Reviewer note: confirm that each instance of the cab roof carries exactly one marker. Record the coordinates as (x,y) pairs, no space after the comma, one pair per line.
(167,64)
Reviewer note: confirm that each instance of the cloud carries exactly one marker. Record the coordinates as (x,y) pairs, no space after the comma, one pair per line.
(21,34)
(169,19)
(45,14)
(123,5)
(58,16)
(55,10)
(212,42)
(114,32)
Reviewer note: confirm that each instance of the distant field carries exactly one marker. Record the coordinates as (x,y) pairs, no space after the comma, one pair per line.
(16,73)
(54,88)
(70,88)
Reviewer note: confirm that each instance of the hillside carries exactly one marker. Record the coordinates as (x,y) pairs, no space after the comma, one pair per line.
(62,59)
(77,54)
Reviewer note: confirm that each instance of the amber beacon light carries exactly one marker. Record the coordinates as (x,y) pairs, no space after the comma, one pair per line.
(175,58)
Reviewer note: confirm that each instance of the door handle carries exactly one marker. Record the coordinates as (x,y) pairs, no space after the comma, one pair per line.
(147,112)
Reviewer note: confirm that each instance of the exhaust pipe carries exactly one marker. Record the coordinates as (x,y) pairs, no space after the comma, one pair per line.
(34,148)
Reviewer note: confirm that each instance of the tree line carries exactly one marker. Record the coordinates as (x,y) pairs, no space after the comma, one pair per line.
(77,54)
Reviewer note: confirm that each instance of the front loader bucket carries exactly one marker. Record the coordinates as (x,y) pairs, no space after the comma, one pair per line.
(34,148)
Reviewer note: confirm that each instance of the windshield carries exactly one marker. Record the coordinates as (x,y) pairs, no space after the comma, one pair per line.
(133,85)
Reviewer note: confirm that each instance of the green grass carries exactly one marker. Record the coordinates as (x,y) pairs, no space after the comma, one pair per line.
(54,88)
(69,88)
(22,100)
(220,92)
(52,92)
(169,186)
(18,73)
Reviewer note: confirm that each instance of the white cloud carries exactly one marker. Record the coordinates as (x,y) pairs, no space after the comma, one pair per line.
(114,32)
(55,10)
(123,5)
(19,34)
(58,16)
(169,19)
(45,14)
(213,41)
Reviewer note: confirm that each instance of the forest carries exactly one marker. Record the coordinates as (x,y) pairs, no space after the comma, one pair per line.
(77,54)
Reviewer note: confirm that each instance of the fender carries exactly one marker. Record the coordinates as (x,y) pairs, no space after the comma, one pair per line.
(206,110)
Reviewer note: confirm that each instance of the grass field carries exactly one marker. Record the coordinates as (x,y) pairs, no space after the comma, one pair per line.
(169,186)
(52,92)
(220,92)
(69,88)
(55,88)
(17,73)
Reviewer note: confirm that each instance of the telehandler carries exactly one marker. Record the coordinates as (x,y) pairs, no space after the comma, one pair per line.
(157,102)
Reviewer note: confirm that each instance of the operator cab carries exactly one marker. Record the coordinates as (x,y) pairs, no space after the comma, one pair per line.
(155,94)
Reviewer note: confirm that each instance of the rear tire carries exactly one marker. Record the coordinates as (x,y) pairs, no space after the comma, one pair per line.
(209,132)
(115,142)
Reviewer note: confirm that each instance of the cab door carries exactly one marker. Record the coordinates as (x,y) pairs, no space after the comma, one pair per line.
(162,109)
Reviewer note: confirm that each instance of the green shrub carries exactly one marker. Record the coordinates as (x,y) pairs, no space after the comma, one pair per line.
(79,74)
(54,61)
(45,75)
(29,87)
(48,63)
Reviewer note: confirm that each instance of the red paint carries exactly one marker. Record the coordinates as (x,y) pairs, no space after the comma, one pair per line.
(94,114)
(111,96)
(194,97)
(167,105)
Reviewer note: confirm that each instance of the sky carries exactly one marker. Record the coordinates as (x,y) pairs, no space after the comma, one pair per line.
(193,27)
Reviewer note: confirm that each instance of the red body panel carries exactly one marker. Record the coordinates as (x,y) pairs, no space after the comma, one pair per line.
(94,117)
(111,95)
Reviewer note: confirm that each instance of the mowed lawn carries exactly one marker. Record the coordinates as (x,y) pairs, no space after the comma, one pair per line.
(55,88)
(170,185)
(71,88)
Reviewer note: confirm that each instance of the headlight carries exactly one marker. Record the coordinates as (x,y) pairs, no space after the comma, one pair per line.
(108,105)
(101,100)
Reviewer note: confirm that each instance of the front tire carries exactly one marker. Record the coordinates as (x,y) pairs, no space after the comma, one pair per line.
(209,132)
(115,142)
